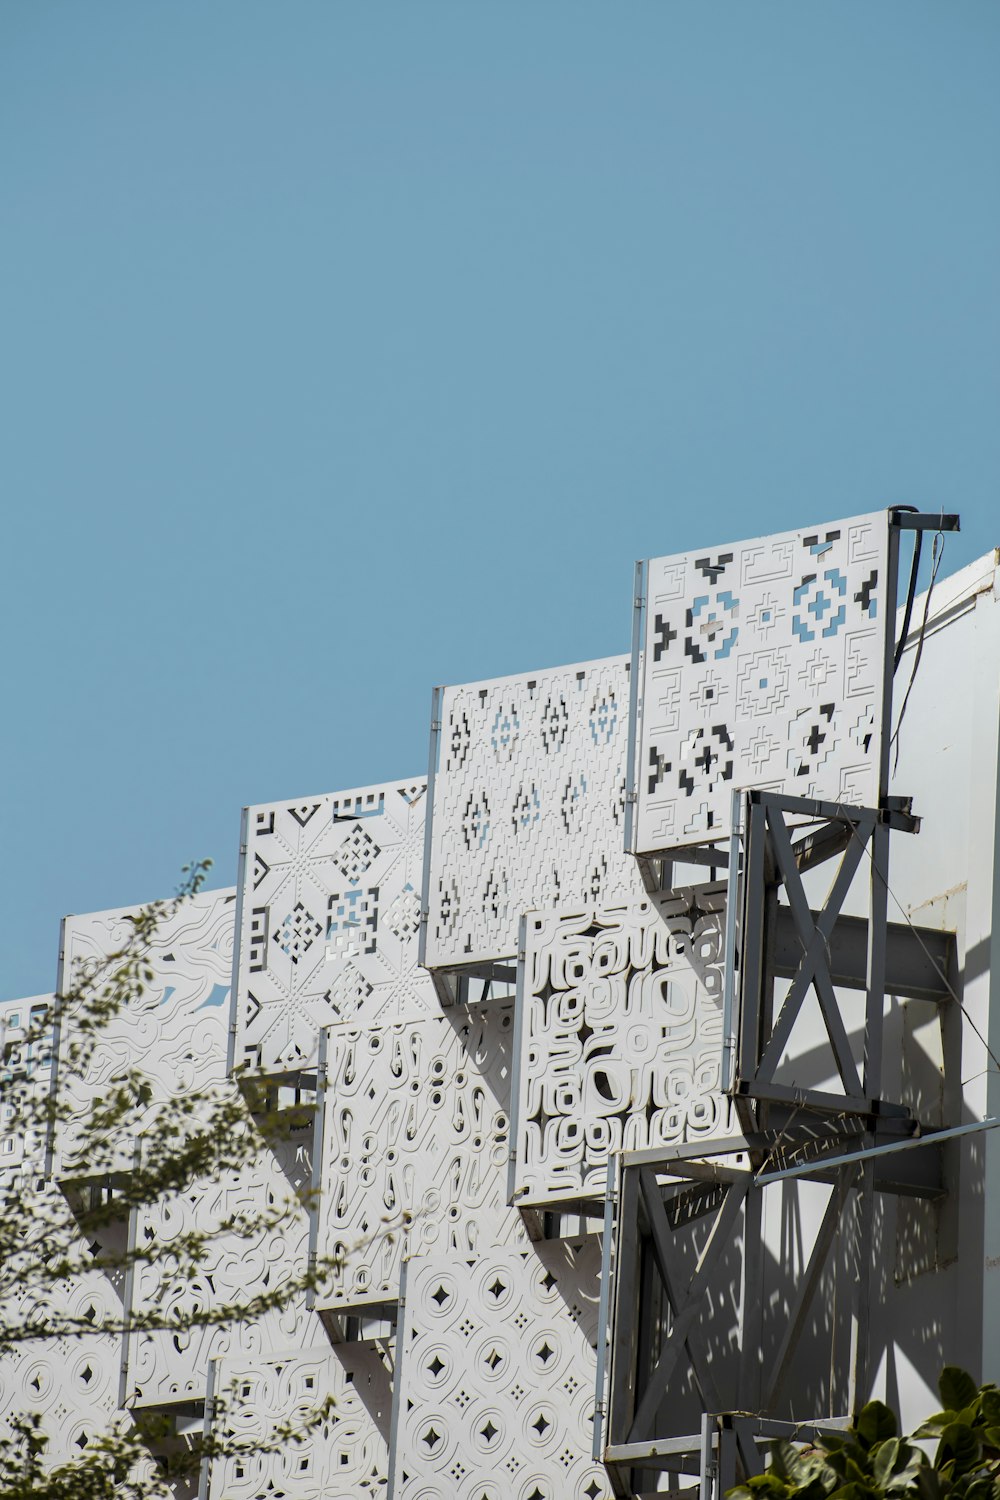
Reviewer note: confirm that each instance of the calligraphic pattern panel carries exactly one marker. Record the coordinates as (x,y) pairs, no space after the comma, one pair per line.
(346,1454)
(620,1038)
(174,1031)
(416,1131)
(498,1373)
(167,1365)
(763,667)
(330,920)
(529,803)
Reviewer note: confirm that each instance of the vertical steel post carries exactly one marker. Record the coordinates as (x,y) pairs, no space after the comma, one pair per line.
(634,704)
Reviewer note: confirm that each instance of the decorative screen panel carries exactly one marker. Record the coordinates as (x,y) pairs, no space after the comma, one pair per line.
(330,920)
(620,1036)
(175,1031)
(25,1080)
(497,1376)
(764,667)
(529,802)
(70,1380)
(167,1366)
(347,1455)
(415,1145)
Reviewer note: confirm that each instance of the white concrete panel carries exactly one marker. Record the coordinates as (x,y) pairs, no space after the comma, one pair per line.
(330,912)
(175,1032)
(497,1377)
(348,1454)
(529,801)
(763,666)
(415,1144)
(619,1038)
(167,1365)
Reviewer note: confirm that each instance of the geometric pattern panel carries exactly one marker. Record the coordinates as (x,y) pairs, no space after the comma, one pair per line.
(416,1131)
(497,1376)
(620,1036)
(347,1454)
(529,802)
(175,1031)
(25,1080)
(165,1366)
(763,667)
(330,921)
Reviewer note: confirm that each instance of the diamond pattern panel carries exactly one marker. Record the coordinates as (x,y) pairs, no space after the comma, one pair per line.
(620,1038)
(529,802)
(763,666)
(496,1386)
(330,920)
(415,1142)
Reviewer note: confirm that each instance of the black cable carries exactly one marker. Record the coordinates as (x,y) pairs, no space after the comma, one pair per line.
(911,592)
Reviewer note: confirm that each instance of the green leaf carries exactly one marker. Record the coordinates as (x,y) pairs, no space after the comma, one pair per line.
(876,1424)
(959,1446)
(956,1388)
(884,1458)
(989,1405)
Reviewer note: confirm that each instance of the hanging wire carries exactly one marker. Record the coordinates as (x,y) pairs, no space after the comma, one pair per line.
(911,591)
(937,553)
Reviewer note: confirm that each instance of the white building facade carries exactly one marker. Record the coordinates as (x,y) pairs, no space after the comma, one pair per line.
(618,1124)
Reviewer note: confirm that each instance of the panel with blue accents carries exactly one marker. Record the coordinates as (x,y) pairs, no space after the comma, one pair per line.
(764,666)
(529,804)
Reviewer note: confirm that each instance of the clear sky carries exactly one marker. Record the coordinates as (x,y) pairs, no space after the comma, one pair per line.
(347,348)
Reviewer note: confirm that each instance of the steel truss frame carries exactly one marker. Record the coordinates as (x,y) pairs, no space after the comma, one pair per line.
(816,950)
(660,1194)
(847,1136)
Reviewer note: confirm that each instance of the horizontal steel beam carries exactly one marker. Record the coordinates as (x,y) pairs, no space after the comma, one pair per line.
(917,959)
(909,520)
(912,1143)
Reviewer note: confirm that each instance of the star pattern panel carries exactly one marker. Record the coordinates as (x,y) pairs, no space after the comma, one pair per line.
(331,900)
(415,1143)
(168,1365)
(497,1376)
(69,1380)
(764,666)
(619,1037)
(175,1031)
(529,803)
(348,1454)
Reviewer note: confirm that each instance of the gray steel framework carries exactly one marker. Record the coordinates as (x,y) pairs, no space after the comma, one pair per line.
(679,1213)
(659,1298)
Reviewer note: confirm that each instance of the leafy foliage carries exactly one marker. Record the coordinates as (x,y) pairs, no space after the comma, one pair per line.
(871,1460)
(50,1237)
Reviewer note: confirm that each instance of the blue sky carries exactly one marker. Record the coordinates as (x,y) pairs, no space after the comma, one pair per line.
(350,348)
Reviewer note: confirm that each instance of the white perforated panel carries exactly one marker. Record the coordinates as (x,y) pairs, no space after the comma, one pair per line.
(25,1079)
(70,1381)
(416,1134)
(529,801)
(497,1378)
(330,920)
(620,1035)
(175,1032)
(166,1365)
(764,666)
(347,1455)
